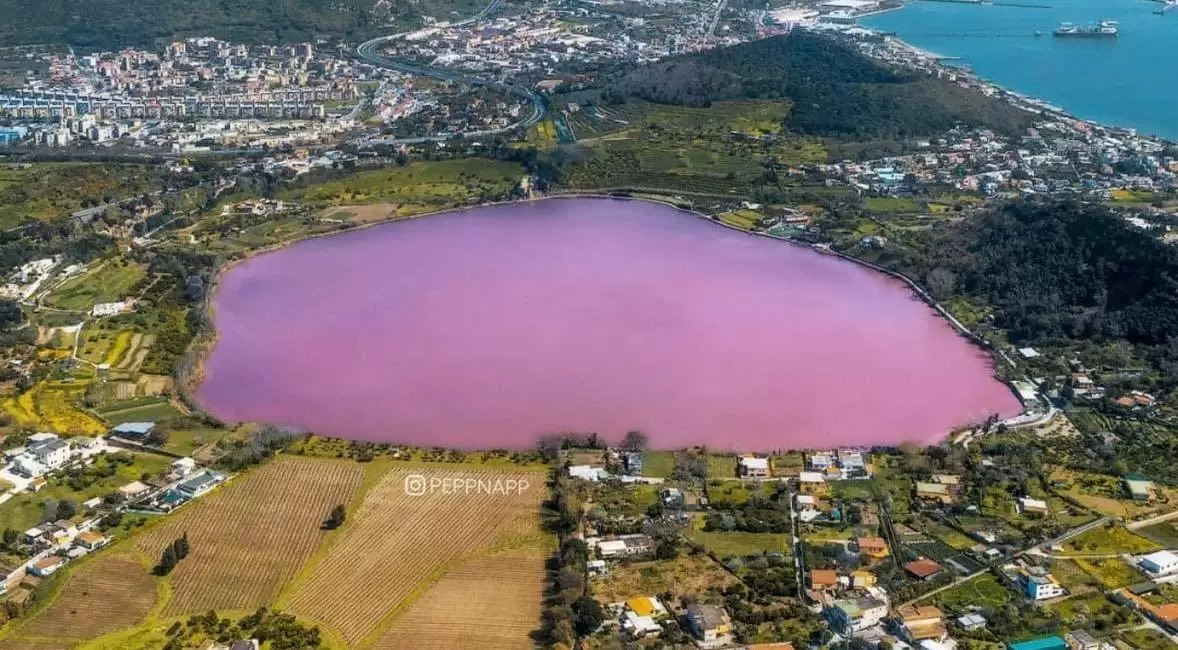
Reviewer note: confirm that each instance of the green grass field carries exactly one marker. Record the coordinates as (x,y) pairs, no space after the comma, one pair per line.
(49,190)
(725,544)
(109,282)
(1164,533)
(982,591)
(1112,573)
(157,409)
(658,464)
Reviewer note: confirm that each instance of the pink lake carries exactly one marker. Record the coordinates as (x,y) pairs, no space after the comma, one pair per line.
(495,326)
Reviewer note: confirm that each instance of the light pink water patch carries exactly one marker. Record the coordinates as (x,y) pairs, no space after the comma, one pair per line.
(495,326)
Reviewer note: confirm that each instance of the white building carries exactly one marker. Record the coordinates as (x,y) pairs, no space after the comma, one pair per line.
(1159,564)
(587,472)
(184,466)
(51,453)
(1042,587)
(754,467)
(107,308)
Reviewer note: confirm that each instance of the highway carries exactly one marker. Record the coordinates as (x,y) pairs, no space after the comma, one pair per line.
(368,52)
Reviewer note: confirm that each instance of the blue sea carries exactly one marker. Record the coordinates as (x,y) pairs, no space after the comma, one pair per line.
(1129,81)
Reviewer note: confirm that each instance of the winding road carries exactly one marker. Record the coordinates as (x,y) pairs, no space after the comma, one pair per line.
(368,52)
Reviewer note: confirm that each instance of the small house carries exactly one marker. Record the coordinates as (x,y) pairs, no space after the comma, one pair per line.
(823,579)
(923,569)
(597,567)
(1139,489)
(921,623)
(811,482)
(972,622)
(48,566)
(1029,506)
(708,622)
(875,547)
(751,467)
(184,466)
(90,540)
(134,489)
(1160,563)
(938,492)
(200,483)
(588,473)
(133,431)
(854,615)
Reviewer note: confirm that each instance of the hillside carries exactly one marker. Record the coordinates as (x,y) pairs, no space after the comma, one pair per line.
(111,24)
(835,90)
(1055,273)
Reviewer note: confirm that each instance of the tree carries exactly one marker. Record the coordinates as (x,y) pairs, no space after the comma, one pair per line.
(167,561)
(587,615)
(182,546)
(66,509)
(635,440)
(335,518)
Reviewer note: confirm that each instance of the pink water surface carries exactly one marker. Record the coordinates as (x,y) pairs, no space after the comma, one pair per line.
(492,327)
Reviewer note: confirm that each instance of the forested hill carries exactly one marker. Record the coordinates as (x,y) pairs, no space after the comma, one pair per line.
(1055,271)
(111,24)
(835,90)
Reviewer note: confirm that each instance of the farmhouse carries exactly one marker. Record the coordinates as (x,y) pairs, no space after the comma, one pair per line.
(708,622)
(972,622)
(640,614)
(133,489)
(811,483)
(754,467)
(184,466)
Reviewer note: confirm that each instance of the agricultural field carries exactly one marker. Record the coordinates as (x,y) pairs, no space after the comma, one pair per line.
(109,281)
(1112,573)
(1072,577)
(491,603)
(123,350)
(249,539)
(1091,609)
(1108,496)
(417,187)
(1110,538)
(397,542)
(54,406)
(686,574)
(108,473)
(722,466)
(113,592)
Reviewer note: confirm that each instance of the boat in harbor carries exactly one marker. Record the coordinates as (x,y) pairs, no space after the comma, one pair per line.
(1104,28)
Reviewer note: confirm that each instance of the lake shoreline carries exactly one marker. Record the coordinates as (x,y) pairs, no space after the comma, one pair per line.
(202,347)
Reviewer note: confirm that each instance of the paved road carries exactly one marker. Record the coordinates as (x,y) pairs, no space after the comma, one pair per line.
(368,52)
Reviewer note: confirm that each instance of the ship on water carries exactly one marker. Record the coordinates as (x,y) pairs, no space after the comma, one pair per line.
(1103,28)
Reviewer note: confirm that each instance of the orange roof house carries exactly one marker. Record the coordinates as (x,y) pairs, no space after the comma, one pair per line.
(823,579)
(873,546)
(923,569)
